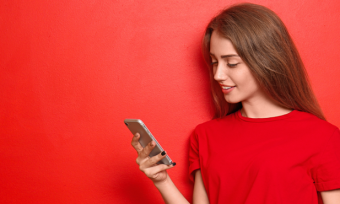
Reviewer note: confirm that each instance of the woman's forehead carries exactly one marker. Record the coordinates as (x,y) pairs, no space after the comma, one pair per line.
(220,45)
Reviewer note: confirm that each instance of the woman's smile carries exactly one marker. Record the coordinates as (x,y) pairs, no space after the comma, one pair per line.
(226,89)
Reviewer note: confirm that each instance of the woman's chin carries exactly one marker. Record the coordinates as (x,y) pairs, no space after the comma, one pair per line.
(231,100)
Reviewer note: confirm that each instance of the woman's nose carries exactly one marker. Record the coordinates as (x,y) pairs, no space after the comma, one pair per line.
(220,73)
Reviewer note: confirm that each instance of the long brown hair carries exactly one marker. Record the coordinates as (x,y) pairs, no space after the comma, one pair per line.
(264,44)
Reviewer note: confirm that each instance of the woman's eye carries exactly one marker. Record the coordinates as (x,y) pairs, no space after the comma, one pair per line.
(213,63)
(232,65)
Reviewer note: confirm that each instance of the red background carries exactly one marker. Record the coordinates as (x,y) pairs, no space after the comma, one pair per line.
(73,70)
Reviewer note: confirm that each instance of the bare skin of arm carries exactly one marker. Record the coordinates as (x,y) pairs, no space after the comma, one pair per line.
(159,176)
(200,194)
(331,197)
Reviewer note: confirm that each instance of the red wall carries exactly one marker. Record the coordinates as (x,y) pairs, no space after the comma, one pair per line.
(72,70)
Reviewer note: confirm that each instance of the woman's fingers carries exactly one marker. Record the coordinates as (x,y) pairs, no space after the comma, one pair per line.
(135,143)
(146,150)
(142,152)
(151,169)
(153,160)
(152,172)
(150,162)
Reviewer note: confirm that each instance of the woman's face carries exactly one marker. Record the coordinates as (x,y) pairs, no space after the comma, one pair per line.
(236,81)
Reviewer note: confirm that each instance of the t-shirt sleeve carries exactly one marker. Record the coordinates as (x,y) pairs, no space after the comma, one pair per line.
(194,162)
(326,171)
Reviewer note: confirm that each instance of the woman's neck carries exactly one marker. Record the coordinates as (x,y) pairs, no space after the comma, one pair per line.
(263,110)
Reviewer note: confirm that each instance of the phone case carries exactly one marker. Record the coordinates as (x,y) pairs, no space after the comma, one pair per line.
(137,126)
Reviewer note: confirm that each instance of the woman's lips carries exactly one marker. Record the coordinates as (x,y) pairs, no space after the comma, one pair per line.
(227,89)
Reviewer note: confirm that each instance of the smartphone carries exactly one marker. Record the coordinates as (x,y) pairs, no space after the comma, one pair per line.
(137,126)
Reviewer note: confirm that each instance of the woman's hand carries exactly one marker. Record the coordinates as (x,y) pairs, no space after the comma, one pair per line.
(148,165)
(157,172)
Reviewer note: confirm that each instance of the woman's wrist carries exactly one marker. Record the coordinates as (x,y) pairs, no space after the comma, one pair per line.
(163,183)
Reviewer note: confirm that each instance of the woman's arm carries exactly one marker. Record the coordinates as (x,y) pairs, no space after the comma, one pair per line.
(170,193)
(331,197)
(200,194)
(157,172)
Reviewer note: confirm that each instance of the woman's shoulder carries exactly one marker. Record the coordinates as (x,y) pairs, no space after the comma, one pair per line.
(313,121)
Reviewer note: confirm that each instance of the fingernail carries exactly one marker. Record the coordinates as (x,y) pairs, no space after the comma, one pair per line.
(173,163)
(136,135)
(163,153)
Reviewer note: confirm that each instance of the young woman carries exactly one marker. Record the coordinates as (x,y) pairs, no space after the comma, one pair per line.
(269,142)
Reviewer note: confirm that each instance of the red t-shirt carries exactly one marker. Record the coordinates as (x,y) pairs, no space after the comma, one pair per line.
(284,159)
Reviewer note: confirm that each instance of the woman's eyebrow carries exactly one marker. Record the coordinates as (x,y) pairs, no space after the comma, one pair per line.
(225,56)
